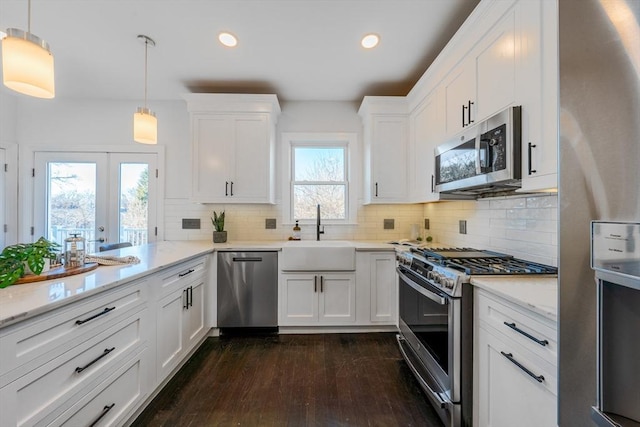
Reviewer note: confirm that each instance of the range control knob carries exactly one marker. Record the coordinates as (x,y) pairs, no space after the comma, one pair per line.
(448,283)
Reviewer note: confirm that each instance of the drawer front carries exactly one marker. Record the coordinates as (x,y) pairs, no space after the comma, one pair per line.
(48,336)
(179,276)
(515,387)
(113,401)
(533,332)
(49,386)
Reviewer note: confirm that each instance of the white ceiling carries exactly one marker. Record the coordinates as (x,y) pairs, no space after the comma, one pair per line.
(297,49)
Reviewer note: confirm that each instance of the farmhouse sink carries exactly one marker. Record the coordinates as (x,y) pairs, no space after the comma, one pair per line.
(324,255)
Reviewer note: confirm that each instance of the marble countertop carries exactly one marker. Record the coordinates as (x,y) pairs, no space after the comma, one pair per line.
(538,294)
(19,302)
(360,245)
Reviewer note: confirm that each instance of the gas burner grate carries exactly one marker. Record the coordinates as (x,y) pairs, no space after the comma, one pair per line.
(499,266)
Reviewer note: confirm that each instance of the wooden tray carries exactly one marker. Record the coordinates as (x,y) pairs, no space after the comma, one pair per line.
(56,273)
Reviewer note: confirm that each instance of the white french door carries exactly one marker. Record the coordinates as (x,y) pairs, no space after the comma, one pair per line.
(103,197)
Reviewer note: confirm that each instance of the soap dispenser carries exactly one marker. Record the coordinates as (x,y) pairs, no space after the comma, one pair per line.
(296,232)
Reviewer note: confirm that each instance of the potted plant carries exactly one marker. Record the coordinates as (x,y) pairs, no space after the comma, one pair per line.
(16,260)
(219,235)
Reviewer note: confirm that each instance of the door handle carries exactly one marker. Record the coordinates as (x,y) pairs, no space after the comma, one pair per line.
(185,299)
(433,183)
(247,259)
(226,188)
(232,188)
(104,412)
(321,284)
(464,107)
(315,284)
(509,356)
(531,337)
(101,240)
(104,353)
(530,162)
(469,113)
(376,189)
(102,313)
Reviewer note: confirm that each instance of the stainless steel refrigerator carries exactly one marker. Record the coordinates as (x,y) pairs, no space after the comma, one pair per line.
(599,172)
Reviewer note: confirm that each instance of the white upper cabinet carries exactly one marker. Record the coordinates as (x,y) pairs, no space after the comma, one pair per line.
(484,81)
(233,147)
(427,131)
(386,131)
(505,54)
(537,84)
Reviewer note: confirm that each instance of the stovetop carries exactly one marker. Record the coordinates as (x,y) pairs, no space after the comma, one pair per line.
(472,261)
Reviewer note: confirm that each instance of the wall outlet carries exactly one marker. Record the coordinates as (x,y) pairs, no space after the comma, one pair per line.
(389,224)
(270,223)
(462,226)
(191,223)
(426,223)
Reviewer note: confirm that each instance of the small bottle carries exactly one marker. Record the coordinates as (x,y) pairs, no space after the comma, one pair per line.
(296,232)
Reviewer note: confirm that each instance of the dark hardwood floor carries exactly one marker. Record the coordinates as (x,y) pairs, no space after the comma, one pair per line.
(293,380)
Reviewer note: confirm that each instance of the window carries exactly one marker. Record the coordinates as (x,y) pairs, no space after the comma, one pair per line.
(319,175)
(103,197)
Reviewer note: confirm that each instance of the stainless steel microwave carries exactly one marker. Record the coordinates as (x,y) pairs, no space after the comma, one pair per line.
(485,158)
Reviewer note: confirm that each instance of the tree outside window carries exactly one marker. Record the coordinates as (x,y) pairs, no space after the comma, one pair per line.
(319,178)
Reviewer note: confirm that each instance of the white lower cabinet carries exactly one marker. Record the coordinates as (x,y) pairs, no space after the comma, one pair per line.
(317,299)
(47,390)
(514,374)
(98,360)
(180,318)
(377,287)
(114,400)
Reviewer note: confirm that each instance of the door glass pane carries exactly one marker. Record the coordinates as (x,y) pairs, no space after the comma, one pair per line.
(134,203)
(71,201)
(3,198)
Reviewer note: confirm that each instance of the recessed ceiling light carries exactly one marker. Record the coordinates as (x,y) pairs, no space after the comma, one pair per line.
(370,41)
(228,39)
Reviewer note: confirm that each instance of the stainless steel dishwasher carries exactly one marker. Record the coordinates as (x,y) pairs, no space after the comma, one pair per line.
(247,289)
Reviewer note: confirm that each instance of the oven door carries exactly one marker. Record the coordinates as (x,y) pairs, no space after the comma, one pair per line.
(430,340)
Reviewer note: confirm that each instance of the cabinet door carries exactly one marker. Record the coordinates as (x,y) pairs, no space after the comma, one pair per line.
(170,330)
(212,142)
(389,159)
(194,322)
(383,288)
(337,298)
(459,92)
(506,395)
(252,179)
(428,132)
(538,93)
(299,299)
(495,67)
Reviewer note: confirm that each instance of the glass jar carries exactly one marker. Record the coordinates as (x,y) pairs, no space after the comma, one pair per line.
(74,250)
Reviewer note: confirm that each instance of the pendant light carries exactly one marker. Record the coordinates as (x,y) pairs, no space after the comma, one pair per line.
(27,62)
(145,124)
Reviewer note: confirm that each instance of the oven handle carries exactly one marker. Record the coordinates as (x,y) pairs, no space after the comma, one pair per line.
(443,403)
(431,295)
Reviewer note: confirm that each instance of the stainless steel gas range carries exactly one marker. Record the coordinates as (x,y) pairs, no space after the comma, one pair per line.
(436,320)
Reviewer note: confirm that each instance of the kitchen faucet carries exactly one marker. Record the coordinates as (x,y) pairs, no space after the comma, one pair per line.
(318,231)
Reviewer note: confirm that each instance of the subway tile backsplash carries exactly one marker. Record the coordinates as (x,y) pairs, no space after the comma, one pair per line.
(523,226)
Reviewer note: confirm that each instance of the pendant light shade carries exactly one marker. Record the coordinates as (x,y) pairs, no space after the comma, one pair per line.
(145,126)
(145,123)
(27,63)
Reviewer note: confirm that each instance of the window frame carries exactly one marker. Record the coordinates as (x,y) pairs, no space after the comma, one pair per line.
(344,140)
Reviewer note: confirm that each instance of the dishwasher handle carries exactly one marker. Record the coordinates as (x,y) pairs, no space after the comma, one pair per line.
(247,259)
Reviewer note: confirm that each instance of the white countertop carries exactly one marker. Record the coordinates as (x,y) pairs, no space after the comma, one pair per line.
(19,302)
(539,294)
(360,245)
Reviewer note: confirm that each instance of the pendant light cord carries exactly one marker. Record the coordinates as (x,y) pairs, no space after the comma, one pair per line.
(146,47)
(29,16)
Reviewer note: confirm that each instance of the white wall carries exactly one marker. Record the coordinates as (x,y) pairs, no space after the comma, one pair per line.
(62,123)
(247,222)
(522,226)
(8,115)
